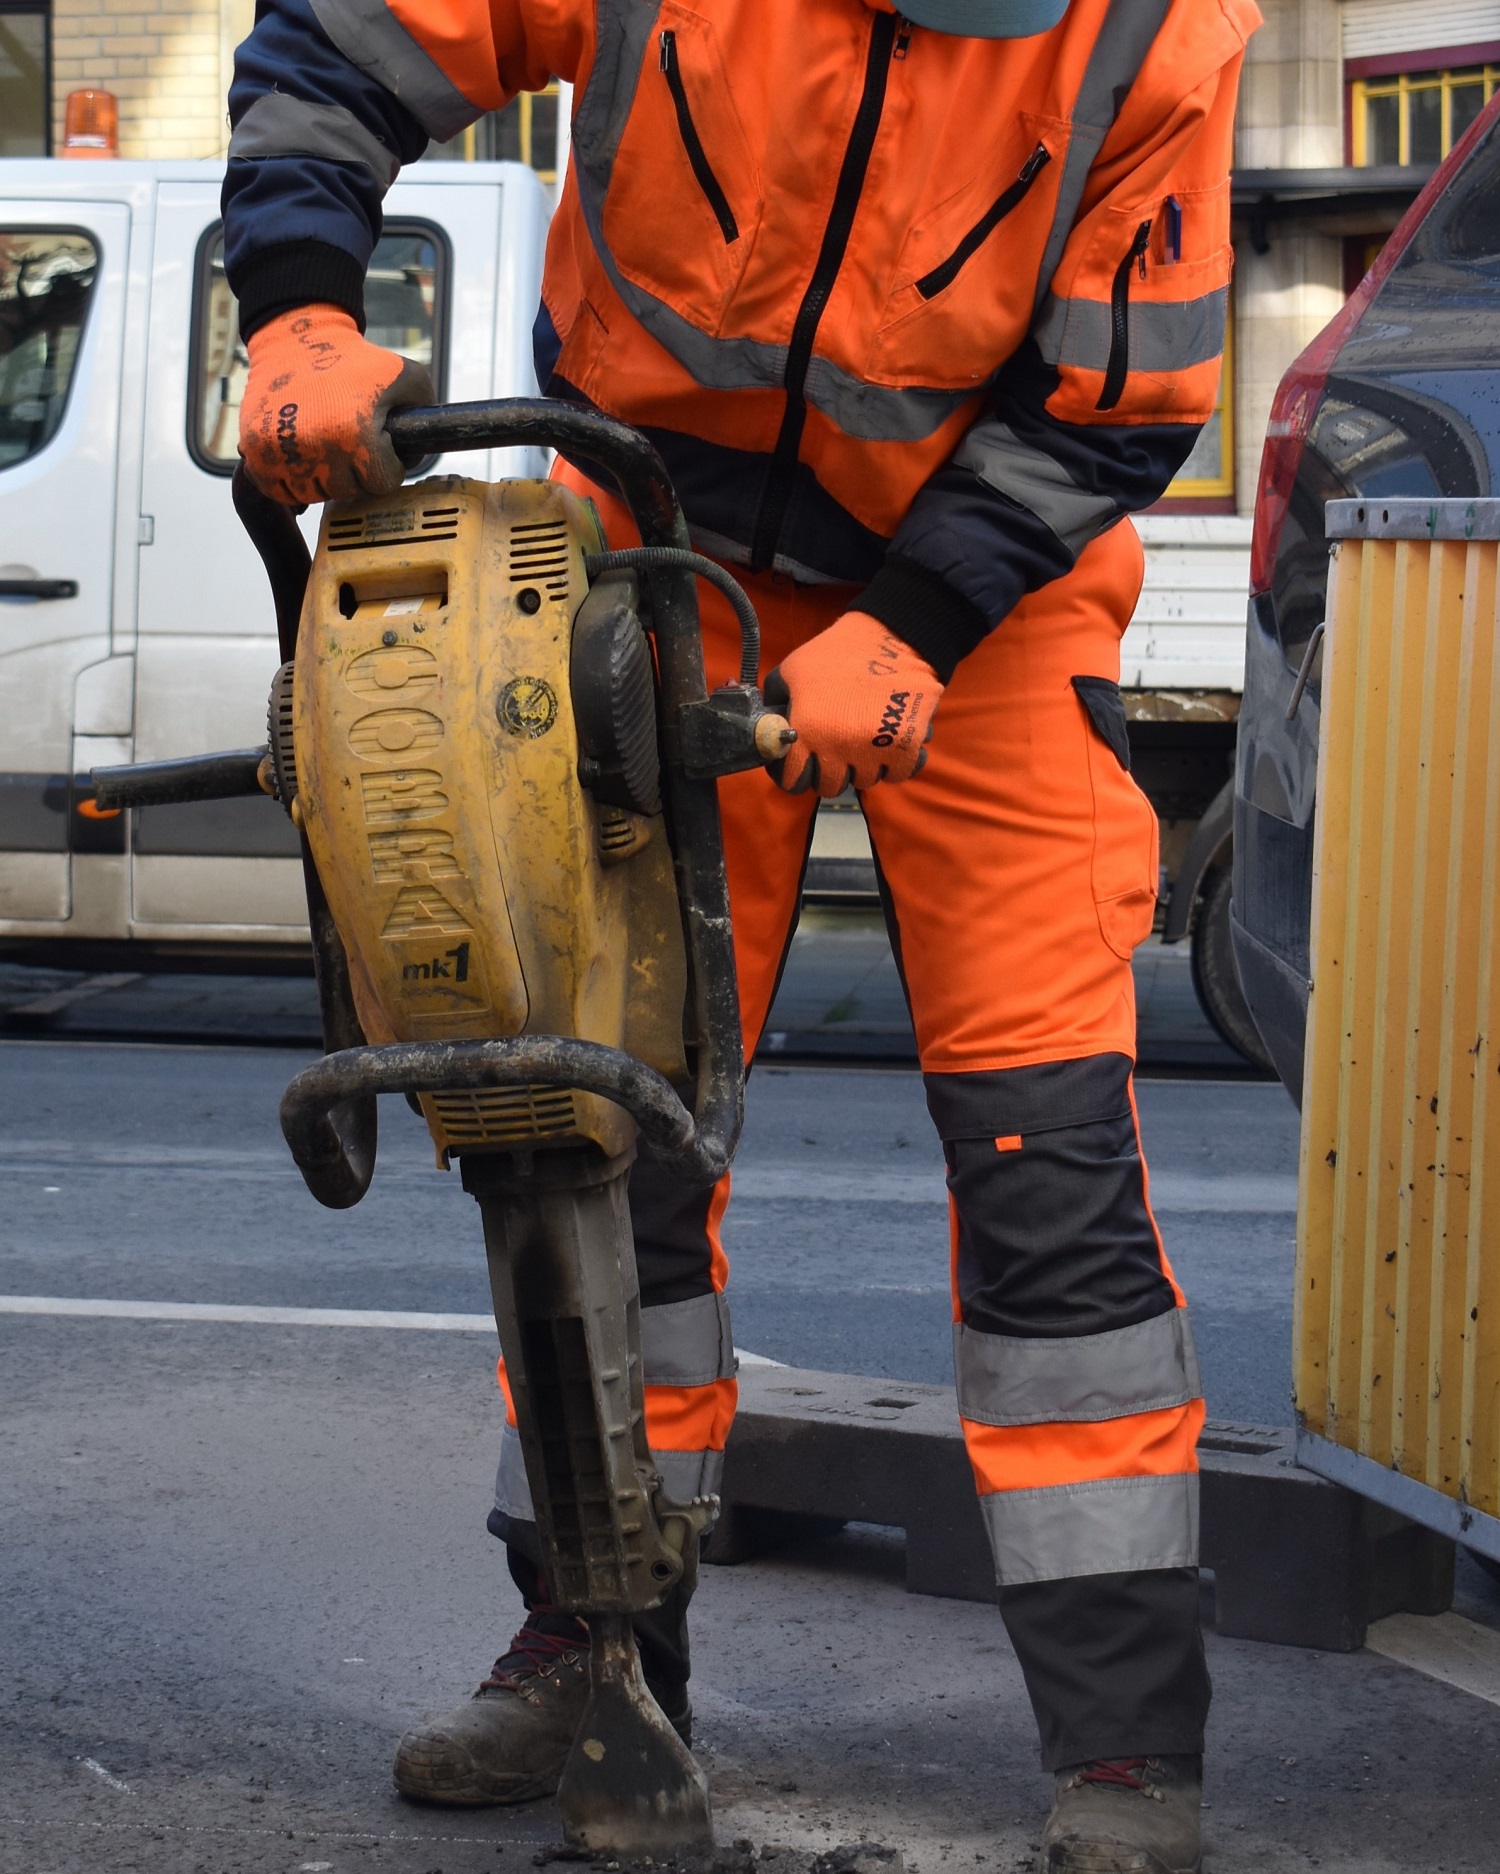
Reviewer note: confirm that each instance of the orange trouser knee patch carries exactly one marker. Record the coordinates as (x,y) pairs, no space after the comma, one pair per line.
(1039,1457)
(678,1418)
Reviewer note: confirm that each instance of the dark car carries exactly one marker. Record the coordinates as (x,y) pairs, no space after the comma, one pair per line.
(1399,395)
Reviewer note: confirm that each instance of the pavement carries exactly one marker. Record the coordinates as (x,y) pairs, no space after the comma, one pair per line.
(243,1551)
(840,999)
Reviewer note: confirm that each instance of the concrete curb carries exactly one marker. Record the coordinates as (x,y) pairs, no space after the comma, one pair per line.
(1295,1559)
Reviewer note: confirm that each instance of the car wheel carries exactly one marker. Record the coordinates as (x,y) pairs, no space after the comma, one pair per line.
(1218,986)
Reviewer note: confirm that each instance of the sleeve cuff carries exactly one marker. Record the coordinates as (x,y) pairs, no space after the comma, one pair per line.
(298,273)
(925,612)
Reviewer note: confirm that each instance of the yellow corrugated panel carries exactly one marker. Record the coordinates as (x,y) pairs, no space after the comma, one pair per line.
(1398,1244)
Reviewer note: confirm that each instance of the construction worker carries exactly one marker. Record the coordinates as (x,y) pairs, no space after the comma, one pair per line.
(918,308)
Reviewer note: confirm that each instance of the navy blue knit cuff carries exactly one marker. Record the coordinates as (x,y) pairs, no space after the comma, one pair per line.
(925,612)
(299,273)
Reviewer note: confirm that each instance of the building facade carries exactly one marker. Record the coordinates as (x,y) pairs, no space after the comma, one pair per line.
(1345,108)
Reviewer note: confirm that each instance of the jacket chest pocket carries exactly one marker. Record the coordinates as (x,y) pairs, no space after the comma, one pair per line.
(962,293)
(684,198)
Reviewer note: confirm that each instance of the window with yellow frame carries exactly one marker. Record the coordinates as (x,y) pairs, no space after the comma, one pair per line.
(524,132)
(1208,473)
(1416,117)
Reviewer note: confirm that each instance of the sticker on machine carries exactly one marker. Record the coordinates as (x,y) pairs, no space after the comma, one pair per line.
(527,706)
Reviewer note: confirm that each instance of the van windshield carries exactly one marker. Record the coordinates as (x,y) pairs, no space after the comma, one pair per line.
(46,278)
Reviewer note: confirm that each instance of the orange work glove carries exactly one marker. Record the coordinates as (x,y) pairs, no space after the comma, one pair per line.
(312,423)
(861,702)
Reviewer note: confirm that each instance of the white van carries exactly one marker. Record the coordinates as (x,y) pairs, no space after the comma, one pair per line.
(135,619)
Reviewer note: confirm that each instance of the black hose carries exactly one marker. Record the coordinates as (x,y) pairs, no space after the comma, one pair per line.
(680,559)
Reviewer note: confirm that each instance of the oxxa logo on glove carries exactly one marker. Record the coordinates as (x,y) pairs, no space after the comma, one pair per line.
(890,722)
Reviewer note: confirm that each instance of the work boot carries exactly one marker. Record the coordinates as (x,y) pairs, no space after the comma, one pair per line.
(509,1742)
(1128,1815)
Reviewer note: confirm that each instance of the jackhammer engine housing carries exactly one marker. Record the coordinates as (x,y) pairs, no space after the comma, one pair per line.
(480,886)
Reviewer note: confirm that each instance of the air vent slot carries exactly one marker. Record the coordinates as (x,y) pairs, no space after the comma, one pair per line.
(505,1115)
(392,527)
(539,556)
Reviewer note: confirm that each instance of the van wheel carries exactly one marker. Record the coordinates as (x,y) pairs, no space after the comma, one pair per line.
(1214,976)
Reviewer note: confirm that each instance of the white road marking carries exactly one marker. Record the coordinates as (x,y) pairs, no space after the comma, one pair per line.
(235,1314)
(59,999)
(1446,1647)
(107,1776)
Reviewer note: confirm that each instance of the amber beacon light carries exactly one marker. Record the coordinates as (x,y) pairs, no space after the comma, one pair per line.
(91,124)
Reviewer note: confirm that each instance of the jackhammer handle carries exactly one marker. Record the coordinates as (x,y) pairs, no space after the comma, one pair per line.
(774,735)
(626,456)
(228,776)
(346,1080)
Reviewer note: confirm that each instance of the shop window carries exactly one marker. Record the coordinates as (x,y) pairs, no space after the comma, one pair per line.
(1418,116)
(524,132)
(1208,474)
(24,87)
(405,311)
(46,279)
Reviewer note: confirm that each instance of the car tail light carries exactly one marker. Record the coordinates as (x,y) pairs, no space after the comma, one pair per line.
(1301,390)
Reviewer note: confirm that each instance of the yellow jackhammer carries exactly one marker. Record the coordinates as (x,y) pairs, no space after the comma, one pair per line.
(495,739)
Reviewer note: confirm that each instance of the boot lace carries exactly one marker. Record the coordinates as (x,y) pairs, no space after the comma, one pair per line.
(535,1649)
(1120,1773)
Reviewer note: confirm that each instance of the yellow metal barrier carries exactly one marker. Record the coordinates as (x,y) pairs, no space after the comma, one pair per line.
(1398,1243)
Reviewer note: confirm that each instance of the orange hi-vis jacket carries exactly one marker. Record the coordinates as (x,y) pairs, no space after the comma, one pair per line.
(914,311)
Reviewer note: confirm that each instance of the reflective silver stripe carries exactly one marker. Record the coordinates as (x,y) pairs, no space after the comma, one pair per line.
(684,1475)
(1127,35)
(1165,335)
(689,1474)
(1004,1380)
(870,412)
(1120,1524)
(736,553)
(1035,481)
(512,1491)
(278,125)
(371,37)
(687,1343)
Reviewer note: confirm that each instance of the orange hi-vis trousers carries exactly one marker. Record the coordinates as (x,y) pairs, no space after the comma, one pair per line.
(1019,871)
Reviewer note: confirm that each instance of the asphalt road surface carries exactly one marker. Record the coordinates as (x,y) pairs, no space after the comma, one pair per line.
(243,1551)
(158,1173)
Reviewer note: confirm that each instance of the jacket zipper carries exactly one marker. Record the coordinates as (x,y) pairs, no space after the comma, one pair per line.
(692,143)
(941,277)
(777,488)
(1119,313)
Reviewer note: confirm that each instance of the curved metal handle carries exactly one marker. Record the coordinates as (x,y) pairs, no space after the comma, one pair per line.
(349,1080)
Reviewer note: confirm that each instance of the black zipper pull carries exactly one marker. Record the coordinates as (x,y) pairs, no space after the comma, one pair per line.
(668,46)
(1117,366)
(903,37)
(1038,157)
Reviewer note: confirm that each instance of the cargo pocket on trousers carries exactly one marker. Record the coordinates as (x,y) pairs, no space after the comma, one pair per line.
(1125,838)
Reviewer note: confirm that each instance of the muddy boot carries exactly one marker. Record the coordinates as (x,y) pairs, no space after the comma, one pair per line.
(511,1740)
(1129,1815)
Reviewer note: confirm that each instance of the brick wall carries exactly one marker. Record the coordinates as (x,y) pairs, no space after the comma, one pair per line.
(167,61)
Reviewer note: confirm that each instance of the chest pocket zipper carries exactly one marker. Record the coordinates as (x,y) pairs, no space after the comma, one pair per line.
(692,143)
(1119,320)
(931,284)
